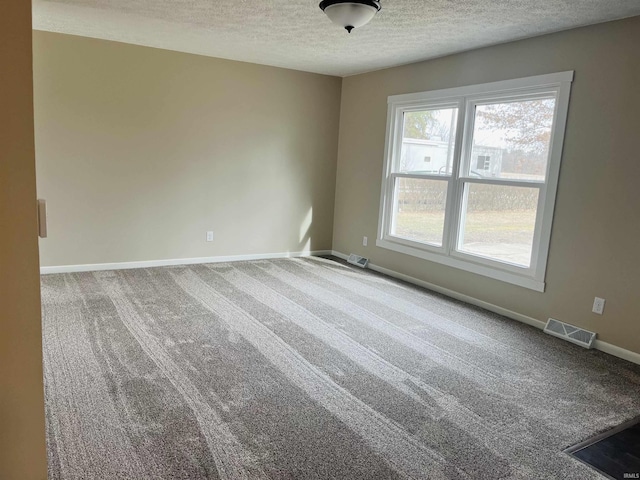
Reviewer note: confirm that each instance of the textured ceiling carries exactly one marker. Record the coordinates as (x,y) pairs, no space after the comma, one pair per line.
(296,34)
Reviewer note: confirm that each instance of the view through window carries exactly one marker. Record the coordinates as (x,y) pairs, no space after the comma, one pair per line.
(470,175)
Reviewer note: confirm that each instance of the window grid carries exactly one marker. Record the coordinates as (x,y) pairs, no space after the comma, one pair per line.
(460,178)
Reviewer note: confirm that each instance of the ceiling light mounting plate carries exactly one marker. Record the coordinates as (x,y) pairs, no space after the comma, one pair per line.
(350,14)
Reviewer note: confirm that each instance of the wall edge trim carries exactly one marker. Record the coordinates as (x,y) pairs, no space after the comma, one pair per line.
(605,347)
(176,261)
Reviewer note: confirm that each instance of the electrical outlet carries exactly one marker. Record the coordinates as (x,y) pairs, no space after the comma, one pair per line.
(598,305)
(364,241)
(209,236)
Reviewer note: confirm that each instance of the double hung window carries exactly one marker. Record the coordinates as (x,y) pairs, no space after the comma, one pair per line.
(470,175)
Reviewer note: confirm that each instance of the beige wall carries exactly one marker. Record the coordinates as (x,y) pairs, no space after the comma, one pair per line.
(22,447)
(596,230)
(141,151)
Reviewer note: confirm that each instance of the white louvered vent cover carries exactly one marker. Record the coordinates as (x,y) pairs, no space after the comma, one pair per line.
(573,334)
(358,260)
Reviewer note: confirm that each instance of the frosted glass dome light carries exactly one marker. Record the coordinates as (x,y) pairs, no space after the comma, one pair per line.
(350,14)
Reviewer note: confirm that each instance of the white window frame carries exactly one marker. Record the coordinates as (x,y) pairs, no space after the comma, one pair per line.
(465,99)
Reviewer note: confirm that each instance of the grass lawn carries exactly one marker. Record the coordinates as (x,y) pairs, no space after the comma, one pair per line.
(485,232)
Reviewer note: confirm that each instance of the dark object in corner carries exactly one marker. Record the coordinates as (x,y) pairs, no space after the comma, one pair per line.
(615,453)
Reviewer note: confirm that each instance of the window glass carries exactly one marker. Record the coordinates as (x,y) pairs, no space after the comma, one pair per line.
(499,222)
(419,206)
(478,198)
(428,141)
(511,139)
(483,162)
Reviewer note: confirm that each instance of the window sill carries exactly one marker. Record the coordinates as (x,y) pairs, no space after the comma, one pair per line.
(486,271)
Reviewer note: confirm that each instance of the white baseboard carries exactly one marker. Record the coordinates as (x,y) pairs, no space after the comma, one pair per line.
(177,261)
(598,344)
(617,351)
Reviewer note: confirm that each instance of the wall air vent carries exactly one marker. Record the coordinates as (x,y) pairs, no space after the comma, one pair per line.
(573,334)
(358,261)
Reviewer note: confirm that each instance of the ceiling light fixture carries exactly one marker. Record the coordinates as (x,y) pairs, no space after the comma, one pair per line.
(352,13)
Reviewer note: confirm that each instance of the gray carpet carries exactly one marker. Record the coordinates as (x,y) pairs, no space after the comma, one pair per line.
(307,368)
